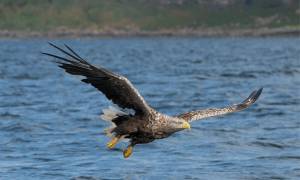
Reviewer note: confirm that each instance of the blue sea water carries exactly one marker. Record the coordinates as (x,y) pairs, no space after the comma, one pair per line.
(50,126)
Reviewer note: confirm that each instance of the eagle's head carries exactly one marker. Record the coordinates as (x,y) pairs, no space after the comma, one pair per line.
(173,125)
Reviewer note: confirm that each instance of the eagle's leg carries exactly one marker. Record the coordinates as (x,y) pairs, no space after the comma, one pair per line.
(128,151)
(112,143)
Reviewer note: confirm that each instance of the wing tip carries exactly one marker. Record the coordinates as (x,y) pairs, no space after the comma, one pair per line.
(258,93)
(253,96)
(51,44)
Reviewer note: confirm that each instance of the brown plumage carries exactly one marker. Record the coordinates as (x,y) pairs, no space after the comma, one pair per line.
(143,124)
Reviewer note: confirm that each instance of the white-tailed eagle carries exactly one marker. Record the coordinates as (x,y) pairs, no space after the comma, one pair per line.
(144,124)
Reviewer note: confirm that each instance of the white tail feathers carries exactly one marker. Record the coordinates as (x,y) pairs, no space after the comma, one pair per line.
(111,113)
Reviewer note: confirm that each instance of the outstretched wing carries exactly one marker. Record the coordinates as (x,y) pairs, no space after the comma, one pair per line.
(200,114)
(115,87)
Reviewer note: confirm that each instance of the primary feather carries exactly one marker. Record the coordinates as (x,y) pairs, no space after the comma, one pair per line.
(115,87)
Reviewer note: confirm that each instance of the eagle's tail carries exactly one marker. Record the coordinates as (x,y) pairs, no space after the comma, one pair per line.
(112,113)
(109,115)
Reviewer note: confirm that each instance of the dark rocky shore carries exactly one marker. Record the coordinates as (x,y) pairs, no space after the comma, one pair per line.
(205,32)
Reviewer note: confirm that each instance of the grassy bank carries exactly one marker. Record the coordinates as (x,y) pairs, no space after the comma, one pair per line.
(146,16)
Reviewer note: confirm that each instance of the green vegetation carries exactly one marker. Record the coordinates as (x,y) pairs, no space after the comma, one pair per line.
(147,15)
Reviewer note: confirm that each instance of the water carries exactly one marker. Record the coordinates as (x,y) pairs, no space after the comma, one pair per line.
(50,126)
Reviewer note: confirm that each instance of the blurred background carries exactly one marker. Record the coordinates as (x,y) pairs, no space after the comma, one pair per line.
(142,17)
(181,55)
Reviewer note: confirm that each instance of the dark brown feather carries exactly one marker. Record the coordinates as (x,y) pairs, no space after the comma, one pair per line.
(115,87)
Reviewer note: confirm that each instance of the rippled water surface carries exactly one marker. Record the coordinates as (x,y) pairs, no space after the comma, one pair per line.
(50,126)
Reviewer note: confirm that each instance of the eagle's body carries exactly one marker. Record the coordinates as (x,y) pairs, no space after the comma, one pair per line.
(143,129)
(142,124)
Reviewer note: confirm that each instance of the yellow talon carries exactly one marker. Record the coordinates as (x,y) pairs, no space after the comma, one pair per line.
(111,144)
(128,151)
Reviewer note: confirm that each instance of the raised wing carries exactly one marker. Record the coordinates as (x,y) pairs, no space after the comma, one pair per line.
(200,114)
(115,87)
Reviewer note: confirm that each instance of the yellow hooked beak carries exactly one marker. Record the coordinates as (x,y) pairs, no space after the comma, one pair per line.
(186,125)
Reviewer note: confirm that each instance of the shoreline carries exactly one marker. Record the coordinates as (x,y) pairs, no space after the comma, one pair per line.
(203,32)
